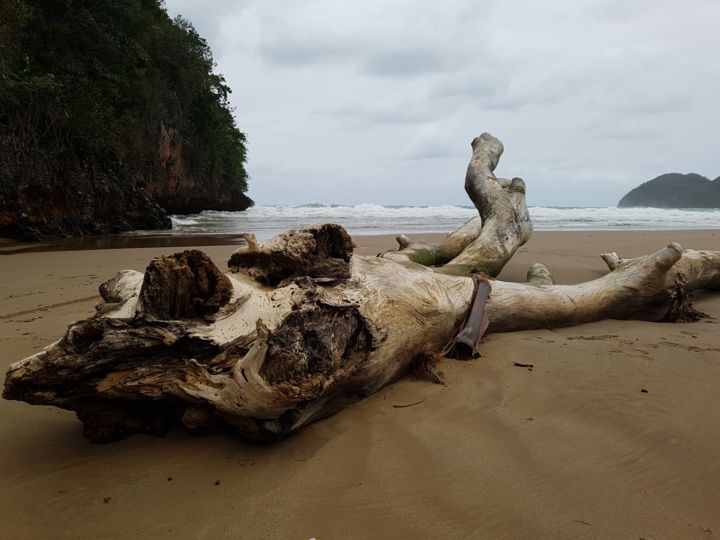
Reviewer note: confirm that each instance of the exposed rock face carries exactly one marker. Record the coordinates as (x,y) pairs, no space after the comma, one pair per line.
(675,190)
(100,195)
(70,198)
(179,191)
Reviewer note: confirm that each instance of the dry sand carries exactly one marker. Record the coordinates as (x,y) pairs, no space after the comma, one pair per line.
(571,449)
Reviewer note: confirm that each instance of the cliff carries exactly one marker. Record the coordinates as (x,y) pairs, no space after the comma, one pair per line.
(179,190)
(675,190)
(111,117)
(74,197)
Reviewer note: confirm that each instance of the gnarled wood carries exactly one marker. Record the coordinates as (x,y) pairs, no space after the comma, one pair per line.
(319,252)
(275,359)
(301,327)
(700,268)
(486,243)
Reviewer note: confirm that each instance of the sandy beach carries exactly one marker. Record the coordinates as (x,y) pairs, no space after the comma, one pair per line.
(614,433)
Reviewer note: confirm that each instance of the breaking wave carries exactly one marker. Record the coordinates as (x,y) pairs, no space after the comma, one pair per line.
(266,221)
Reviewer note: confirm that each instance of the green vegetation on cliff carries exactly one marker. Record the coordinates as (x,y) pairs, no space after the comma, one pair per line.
(110,98)
(675,190)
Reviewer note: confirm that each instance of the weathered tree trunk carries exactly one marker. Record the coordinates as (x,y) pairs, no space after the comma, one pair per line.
(301,327)
(485,243)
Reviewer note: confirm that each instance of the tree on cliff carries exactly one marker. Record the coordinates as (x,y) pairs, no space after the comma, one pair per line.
(115,90)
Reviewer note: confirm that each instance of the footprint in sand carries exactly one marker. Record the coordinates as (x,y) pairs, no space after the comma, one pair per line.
(594,338)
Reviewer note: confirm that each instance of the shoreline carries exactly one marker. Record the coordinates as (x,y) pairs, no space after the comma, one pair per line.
(85,243)
(571,448)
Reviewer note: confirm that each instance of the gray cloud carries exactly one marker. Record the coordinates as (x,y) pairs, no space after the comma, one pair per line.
(403,63)
(377,101)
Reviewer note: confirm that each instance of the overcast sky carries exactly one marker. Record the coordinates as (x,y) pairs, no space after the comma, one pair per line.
(377,101)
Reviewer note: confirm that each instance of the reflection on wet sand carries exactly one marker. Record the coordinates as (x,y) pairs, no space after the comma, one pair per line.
(120,242)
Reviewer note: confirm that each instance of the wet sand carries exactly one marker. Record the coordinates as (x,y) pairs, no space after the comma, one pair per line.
(572,449)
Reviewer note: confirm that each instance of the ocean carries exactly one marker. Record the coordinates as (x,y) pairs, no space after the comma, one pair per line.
(367,219)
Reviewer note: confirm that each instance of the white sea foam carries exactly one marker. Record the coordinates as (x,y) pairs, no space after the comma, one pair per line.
(178,221)
(266,221)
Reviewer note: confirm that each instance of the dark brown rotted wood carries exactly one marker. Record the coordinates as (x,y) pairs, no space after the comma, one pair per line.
(183,286)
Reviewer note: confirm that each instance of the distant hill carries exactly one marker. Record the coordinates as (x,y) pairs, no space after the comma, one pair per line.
(675,190)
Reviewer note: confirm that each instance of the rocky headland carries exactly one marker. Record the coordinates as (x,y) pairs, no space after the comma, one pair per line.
(675,190)
(111,118)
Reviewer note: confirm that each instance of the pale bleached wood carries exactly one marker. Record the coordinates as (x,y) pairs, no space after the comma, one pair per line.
(701,268)
(539,274)
(485,243)
(301,327)
(257,365)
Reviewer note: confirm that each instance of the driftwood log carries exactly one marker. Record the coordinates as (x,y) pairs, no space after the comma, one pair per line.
(301,327)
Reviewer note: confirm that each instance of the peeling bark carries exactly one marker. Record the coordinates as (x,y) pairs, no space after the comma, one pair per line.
(465,343)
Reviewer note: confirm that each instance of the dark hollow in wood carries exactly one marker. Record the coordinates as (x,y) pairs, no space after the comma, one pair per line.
(104,369)
(183,286)
(312,345)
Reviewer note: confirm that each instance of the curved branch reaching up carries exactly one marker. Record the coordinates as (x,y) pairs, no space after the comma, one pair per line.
(486,243)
